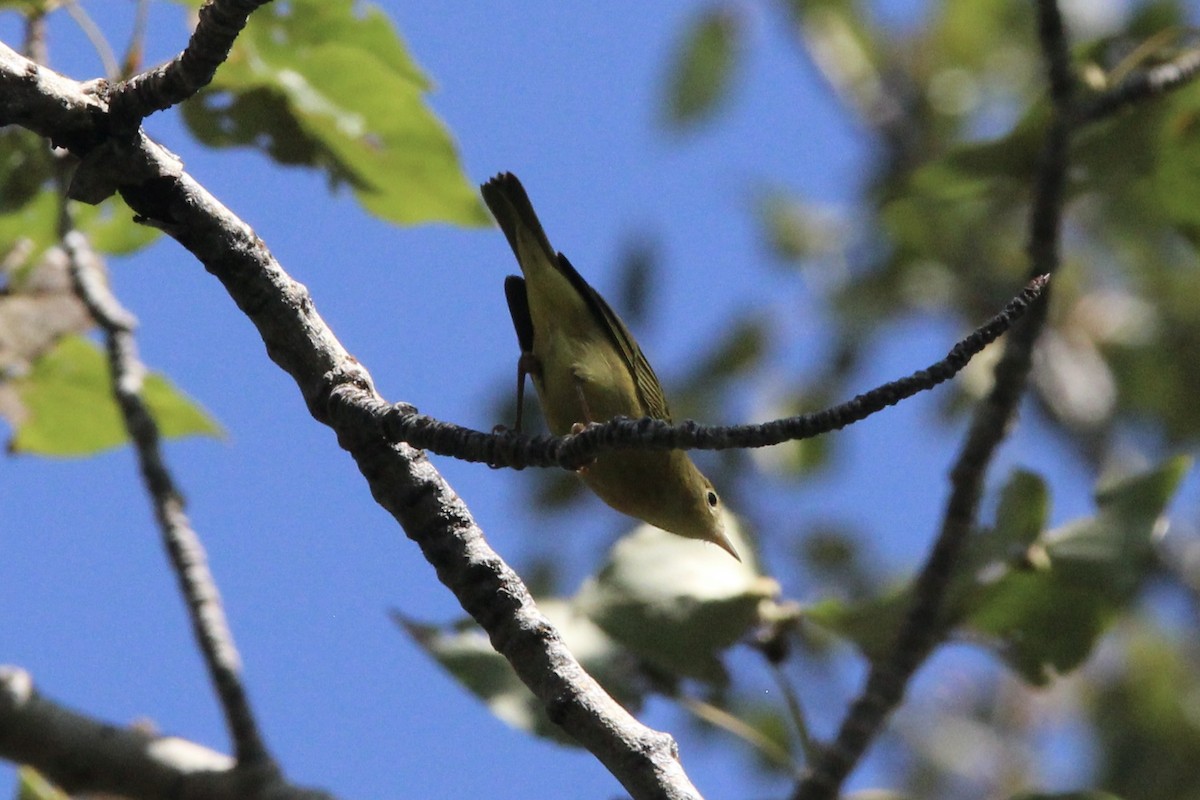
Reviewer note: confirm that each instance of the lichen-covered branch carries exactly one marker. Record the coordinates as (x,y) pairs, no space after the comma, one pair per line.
(83,755)
(184,548)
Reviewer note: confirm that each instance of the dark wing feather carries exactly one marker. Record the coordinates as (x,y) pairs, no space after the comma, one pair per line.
(518,307)
(510,206)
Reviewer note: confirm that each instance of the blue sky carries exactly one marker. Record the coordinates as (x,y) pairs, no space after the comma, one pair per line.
(307,564)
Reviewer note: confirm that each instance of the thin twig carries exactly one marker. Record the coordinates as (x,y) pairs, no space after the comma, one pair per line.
(922,630)
(218,25)
(509,449)
(738,727)
(137,40)
(185,551)
(796,711)
(34,45)
(112,70)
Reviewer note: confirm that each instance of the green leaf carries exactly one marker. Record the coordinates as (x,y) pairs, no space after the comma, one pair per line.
(1177,164)
(1021,514)
(969,34)
(703,67)
(32,785)
(1043,598)
(25,167)
(1142,714)
(33,228)
(30,230)
(734,352)
(110,228)
(177,414)
(67,407)
(675,602)
(1047,615)
(798,230)
(331,85)
(871,624)
(465,652)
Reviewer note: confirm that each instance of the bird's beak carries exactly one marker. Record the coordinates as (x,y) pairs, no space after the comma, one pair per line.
(722,541)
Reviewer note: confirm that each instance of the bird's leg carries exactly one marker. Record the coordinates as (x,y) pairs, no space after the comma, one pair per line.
(527,364)
(579,427)
(583,406)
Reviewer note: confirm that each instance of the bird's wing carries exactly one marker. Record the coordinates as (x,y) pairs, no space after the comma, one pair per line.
(649,389)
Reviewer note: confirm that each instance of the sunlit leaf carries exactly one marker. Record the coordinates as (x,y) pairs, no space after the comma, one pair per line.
(67,407)
(331,85)
(797,230)
(34,228)
(678,603)
(31,228)
(32,785)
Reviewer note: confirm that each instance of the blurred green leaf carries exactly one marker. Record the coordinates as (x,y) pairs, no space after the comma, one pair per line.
(702,70)
(678,603)
(1048,614)
(31,229)
(331,85)
(968,34)
(848,48)
(737,350)
(32,785)
(801,457)
(34,228)
(1043,598)
(67,407)
(733,351)
(1084,795)
(465,652)
(1144,716)
(110,228)
(1020,516)
(871,624)
(25,167)
(772,724)
(797,230)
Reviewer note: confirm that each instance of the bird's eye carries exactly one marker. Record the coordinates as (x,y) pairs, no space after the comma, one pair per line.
(712,499)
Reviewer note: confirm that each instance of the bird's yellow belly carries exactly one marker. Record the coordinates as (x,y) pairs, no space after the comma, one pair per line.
(584,383)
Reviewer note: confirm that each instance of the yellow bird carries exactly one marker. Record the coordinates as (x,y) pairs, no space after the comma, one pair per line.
(586,368)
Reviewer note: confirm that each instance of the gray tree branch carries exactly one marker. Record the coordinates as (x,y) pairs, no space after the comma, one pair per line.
(400,477)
